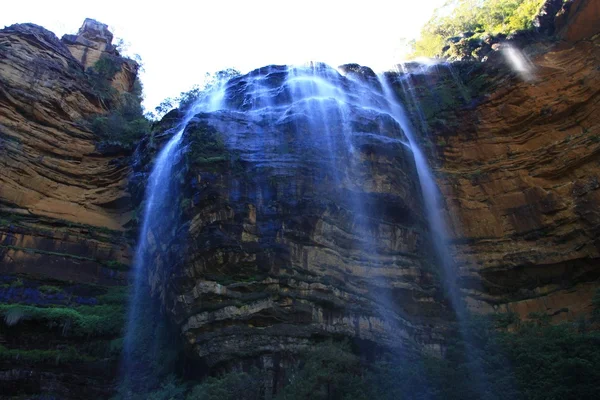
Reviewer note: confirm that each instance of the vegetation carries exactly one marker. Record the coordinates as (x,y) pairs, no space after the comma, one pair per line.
(206,146)
(473,20)
(49,289)
(67,333)
(534,361)
(125,123)
(82,321)
(100,75)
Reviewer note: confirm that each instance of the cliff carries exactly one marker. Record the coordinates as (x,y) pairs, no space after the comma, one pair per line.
(63,206)
(282,244)
(287,231)
(518,168)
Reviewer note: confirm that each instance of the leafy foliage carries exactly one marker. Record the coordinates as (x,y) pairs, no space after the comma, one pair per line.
(206,146)
(82,321)
(100,75)
(331,371)
(125,123)
(233,386)
(477,18)
(536,361)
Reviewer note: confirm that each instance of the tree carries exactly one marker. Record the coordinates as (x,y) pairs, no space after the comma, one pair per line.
(478,17)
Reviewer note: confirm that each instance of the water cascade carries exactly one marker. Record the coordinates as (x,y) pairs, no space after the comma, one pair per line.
(438,227)
(294,123)
(310,132)
(431,197)
(147,337)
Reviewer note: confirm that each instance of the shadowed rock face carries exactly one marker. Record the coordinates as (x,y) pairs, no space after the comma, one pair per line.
(304,221)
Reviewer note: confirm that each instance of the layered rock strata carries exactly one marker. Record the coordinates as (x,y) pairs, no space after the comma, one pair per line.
(63,207)
(519,157)
(297,227)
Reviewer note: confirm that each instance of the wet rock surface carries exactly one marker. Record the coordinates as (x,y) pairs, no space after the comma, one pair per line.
(298,227)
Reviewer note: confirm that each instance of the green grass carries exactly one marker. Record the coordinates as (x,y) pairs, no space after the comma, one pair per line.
(114,295)
(116,265)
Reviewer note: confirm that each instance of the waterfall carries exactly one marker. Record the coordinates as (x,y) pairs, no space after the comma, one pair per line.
(439,236)
(146,332)
(431,197)
(284,122)
(141,343)
(334,121)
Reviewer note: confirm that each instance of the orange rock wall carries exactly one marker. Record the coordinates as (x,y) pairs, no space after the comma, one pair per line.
(520,176)
(55,187)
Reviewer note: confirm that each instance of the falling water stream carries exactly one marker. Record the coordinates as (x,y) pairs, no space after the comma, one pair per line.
(144,333)
(320,101)
(431,196)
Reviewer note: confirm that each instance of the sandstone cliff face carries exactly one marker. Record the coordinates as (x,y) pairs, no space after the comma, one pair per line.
(519,173)
(63,206)
(52,176)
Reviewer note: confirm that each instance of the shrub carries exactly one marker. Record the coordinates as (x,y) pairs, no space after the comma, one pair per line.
(232,386)
(100,75)
(536,361)
(48,289)
(125,123)
(79,321)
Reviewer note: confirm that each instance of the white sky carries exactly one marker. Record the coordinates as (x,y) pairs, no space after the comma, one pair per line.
(179,41)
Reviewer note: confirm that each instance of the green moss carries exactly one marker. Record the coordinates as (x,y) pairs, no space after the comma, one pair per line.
(79,321)
(207,150)
(17,283)
(209,160)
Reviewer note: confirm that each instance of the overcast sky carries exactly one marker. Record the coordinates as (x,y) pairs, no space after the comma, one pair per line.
(179,42)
